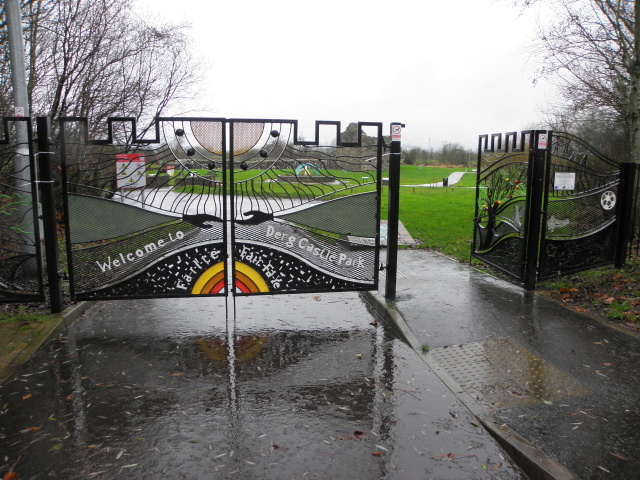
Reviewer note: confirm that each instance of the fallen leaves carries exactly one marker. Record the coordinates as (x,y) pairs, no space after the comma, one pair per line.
(30,429)
(611,293)
(357,435)
(451,457)
(618,456)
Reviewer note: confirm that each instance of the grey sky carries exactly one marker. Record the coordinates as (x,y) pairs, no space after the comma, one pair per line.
(448,70)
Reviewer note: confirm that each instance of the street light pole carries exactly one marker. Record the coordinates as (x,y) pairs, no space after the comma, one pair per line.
(21,109)
(16,55)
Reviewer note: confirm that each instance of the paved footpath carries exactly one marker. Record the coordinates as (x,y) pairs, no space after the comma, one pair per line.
(307,386)
(531,370)
(290,387)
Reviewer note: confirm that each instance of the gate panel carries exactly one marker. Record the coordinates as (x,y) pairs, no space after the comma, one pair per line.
(288,216)
(20,246)
(145,220)
(501,201)
(306,216)
(580,225)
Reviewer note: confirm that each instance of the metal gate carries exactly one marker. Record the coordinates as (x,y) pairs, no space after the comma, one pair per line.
(213,206)
(548,204)
(20,246)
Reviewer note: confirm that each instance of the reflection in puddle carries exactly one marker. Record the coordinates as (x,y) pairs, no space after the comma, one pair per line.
(220,404)
(216,350)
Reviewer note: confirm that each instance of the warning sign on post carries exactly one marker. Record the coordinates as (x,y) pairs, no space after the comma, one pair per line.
(396,132)
(130,171)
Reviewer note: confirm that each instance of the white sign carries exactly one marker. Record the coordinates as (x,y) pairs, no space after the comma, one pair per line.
(564,181)
(396,132)
(542,141)
(130,171)
(19,111)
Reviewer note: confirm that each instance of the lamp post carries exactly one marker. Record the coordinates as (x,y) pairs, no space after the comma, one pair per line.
(21,170)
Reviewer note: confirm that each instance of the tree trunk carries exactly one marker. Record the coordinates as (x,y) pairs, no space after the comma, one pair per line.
(634,98)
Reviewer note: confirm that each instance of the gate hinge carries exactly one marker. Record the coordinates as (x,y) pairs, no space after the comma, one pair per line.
(383,266)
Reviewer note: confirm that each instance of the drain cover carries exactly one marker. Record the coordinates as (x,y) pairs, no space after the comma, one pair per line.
(504,374)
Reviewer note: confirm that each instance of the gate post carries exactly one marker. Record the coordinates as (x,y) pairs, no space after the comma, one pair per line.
(628,172)
(533,228)
(393,215)
(49,214)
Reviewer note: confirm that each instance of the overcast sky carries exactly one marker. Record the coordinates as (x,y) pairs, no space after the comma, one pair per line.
(449,70)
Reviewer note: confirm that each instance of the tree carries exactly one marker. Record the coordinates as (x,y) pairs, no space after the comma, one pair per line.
(590,53)
(93,58)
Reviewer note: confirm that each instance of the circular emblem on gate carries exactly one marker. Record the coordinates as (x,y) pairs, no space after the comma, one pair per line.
(608,200)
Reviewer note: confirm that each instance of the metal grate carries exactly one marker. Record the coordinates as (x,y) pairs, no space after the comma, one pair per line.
(503,374)
(580,230)
(20,249)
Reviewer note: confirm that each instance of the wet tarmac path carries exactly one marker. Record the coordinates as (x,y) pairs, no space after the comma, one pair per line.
(306,386)
(562,380)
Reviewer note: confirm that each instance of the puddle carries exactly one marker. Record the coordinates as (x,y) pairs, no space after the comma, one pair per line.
(174,389)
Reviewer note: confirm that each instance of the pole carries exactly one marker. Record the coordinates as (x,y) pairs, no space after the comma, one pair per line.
(16,56)
(626,202)
(49,214)
(21,106)
(535,197)
(393,216)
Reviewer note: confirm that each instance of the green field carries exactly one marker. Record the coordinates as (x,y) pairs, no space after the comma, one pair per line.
(437,217)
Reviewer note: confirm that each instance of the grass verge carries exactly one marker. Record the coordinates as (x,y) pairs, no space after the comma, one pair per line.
(608,292)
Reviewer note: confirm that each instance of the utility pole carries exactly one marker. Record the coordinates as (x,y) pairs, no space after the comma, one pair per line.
(21,109)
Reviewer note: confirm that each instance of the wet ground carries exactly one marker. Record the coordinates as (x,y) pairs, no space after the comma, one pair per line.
(305,386)
(562,380)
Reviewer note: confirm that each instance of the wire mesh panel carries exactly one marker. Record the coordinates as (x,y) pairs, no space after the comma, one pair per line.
(305,215)
(501,201)
(580,224)
(20,247)
(145,217)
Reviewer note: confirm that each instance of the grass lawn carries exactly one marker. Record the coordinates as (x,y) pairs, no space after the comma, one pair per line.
(440,218)
(418,174)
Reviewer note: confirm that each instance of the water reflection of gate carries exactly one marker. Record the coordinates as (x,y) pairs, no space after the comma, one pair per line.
(216,206)
(303,385)
(549,204)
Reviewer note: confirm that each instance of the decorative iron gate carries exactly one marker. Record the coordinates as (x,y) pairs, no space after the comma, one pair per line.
(548,204)
(20,247)
(216,206)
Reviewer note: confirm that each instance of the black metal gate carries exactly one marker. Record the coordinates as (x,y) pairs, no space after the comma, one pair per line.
(215,206)
(548,204)
(20,245)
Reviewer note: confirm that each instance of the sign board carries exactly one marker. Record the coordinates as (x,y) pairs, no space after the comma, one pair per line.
(542,141)
(130,171)
(396,132)
(564,181)
(19,111)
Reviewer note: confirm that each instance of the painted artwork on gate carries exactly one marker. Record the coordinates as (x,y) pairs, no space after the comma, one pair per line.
(218,207)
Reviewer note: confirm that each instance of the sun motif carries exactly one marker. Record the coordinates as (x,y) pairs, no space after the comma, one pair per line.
(212,280)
